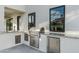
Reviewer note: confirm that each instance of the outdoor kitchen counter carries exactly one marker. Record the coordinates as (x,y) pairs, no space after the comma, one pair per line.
(60,35)
(12,32)
(68,44)
(52,35)
(65,35)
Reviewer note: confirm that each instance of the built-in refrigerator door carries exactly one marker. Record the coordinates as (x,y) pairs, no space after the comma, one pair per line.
(53,45)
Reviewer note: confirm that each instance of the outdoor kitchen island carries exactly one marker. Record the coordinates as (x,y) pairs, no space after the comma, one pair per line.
(60,43)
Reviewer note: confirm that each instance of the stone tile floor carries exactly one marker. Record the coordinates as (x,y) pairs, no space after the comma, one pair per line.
(20,49)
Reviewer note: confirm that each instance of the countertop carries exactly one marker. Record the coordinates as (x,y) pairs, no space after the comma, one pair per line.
(58,35)
(47,34)
(12,32)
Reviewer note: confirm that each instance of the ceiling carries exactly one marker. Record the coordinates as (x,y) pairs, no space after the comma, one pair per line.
(8,12)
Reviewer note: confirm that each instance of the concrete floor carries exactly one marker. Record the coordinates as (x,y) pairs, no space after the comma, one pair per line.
(20,49)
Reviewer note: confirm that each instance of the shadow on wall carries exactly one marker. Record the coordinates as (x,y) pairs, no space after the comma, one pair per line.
(72,18)
(72,15)
(45,25)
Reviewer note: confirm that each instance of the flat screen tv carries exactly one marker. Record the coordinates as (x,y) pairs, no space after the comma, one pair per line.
(57,19)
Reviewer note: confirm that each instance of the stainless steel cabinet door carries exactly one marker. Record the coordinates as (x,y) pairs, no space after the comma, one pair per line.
(26,37)
(34,41)
(53,45)
(17,39)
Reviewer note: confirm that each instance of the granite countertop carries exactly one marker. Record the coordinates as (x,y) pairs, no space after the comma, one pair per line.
(65,35)
(47,34)
(62,35)
(56,34)
(12,32)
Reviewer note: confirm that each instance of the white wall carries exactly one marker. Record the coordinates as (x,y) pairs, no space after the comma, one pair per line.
(24,23)
(42,12)
(2,25)
(71,19)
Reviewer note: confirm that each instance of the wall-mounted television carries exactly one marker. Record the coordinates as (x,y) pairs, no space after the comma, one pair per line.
(57,19)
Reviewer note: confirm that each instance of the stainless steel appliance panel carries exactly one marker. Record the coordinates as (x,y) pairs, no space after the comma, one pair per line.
(53,45)
(34,41)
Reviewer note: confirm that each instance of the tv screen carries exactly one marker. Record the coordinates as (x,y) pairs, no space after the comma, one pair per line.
(57,19)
